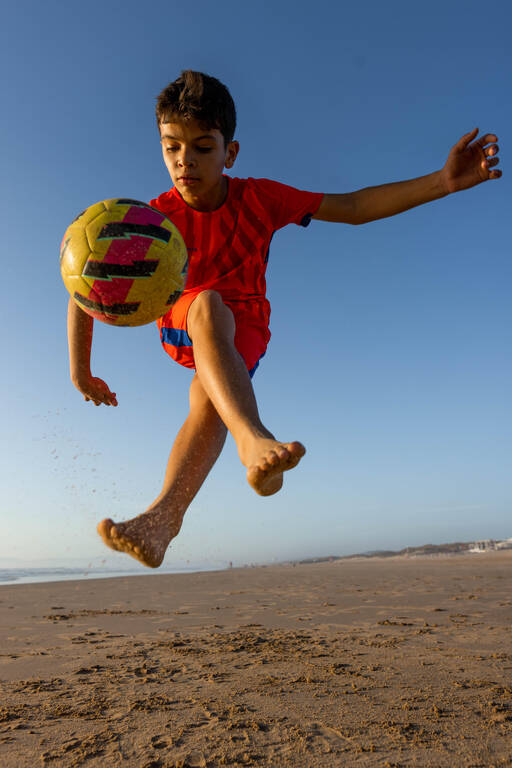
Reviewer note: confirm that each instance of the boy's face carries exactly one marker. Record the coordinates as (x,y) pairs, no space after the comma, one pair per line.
(195,157)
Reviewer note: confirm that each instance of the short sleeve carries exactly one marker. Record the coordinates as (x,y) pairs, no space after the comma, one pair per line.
(164,202)
(284,204)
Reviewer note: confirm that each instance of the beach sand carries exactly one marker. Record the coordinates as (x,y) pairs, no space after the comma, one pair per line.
(378,662)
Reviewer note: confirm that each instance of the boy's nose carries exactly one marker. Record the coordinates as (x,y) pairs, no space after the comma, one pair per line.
(185,159)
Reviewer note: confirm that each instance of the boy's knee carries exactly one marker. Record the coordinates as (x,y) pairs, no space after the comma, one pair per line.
(207,311)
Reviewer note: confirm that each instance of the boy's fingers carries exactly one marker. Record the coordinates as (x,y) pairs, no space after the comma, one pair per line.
(109,399)
(466,139)
(487,139)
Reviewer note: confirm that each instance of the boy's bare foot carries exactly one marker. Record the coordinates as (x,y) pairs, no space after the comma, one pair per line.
(145,537)
(268,460)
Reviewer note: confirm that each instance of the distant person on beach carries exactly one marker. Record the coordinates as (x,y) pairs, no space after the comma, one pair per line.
(219,326)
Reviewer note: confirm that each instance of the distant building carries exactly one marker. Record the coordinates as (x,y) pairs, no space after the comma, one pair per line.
(489,545)
(486,545)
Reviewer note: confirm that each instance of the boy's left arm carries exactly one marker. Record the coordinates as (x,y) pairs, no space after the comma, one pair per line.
(469,163)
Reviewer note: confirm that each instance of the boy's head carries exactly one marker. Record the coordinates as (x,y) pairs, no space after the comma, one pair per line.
(196,120)
(196,96)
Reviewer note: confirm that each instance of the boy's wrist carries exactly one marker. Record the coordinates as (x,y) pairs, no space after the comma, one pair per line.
(81,376)
(441,183)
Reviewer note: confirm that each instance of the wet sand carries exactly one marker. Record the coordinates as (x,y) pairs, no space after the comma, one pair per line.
(381,662)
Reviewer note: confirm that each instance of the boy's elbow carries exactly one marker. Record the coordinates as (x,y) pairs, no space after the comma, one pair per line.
(358,214)
(340,209)
(357,218)
(353,214)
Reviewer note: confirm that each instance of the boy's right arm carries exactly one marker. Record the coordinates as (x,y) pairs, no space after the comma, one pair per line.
(80,326)
(470,162)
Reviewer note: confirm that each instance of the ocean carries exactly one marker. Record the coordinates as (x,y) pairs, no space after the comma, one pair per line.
(33,575)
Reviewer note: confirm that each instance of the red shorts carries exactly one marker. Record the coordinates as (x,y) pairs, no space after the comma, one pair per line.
(251,335)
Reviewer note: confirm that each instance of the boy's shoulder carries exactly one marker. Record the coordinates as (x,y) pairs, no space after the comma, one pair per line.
(284,204)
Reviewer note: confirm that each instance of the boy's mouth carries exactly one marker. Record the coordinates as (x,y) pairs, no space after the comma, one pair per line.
(188,180)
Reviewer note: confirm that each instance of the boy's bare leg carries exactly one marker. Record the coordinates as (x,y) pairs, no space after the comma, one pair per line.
(195,451)
(225,379)
(220,394)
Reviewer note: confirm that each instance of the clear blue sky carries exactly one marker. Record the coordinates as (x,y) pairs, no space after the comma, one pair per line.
(390,356)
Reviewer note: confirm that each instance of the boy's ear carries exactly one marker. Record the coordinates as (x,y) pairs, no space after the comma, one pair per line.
(231,153)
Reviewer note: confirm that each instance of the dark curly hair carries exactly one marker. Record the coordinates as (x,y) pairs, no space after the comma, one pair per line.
(195,95)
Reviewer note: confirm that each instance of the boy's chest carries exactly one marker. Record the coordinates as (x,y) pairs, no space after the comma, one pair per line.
(221,244)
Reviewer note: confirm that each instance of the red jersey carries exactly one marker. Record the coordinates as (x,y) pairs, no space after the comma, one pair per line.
(228,252)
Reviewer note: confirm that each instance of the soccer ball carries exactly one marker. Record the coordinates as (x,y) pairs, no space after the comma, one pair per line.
(123,262)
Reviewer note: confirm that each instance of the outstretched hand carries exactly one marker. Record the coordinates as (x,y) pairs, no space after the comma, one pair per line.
(470,162)
(97,390)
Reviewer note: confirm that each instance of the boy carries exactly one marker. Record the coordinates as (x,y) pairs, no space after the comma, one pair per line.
(219,326)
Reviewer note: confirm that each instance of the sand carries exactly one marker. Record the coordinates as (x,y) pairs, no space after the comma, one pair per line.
(381,662)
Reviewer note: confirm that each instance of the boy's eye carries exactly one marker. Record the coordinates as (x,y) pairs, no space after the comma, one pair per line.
(202,150)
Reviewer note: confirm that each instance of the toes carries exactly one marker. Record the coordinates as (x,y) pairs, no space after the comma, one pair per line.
(109,533)
(270,460)
(283,453)
(296,449)
(295,453)
(114,532)
(127,545)
(105,527)
(276,458)
(281,457)
(129,538)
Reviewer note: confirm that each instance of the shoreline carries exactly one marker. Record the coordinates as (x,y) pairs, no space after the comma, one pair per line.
(89,574)
(60,574)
